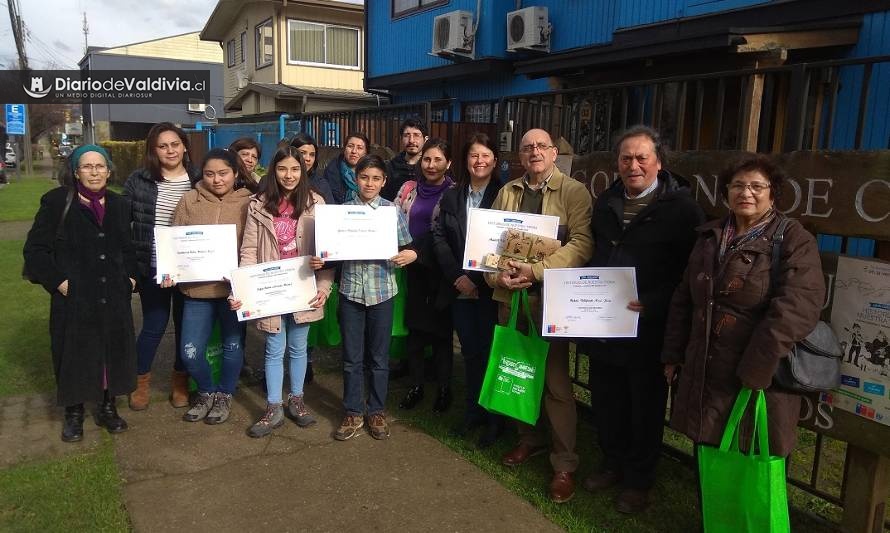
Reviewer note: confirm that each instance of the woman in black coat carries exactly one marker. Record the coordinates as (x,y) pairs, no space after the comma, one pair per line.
(473,312)
(79,249)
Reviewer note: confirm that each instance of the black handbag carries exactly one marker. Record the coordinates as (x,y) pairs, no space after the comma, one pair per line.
(68,201)
(814,363)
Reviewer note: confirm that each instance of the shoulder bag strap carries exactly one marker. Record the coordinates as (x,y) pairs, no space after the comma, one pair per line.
(68,201)
(778,238)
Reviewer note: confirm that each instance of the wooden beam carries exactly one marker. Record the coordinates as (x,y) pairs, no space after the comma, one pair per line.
(868,482)
(753,103)
(793,40)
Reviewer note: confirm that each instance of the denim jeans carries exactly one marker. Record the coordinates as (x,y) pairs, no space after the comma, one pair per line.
(474,321)
(198,316)
(291,338)
(156,306)
(366,332)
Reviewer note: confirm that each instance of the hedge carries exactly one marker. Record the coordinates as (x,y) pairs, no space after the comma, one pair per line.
(126,156)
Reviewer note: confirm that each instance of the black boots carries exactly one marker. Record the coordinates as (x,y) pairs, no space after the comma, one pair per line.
(443,400)
(108,418)
(72,426)
(414,396)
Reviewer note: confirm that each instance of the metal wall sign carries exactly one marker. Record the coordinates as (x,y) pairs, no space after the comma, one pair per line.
(842,193)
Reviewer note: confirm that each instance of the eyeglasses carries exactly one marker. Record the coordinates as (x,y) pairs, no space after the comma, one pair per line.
(756,187)
(530,148)
(100,168)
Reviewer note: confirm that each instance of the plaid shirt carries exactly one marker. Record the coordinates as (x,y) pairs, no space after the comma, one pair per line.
(371,282)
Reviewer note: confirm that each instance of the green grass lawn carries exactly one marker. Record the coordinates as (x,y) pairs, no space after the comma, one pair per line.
(676,503)
(76,493)
(20,199)
(25,362)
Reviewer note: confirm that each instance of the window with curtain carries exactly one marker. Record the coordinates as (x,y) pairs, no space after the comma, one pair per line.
(406,7)
(230,53)
(264,44)
(322,44)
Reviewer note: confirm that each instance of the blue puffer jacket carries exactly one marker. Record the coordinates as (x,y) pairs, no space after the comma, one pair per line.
(141,192)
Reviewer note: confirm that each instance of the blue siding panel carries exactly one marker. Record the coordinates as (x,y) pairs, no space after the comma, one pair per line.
(857,247)
(829,243)
(874,40)
(640,12)
(704,7)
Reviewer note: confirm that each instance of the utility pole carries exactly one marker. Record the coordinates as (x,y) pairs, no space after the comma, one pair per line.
(18,32)
(86,31)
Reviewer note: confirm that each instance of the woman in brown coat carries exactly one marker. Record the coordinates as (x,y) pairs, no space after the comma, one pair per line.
(726,330)
(221,197)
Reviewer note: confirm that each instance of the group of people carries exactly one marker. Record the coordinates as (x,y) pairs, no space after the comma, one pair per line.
(710,319)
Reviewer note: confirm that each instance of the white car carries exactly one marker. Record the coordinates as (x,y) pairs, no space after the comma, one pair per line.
(10,158)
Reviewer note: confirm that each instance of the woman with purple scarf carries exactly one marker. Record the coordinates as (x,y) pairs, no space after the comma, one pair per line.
(79,250)
(427,326)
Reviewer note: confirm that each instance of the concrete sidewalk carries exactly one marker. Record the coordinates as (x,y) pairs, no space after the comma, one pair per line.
(180,476)
(191,476)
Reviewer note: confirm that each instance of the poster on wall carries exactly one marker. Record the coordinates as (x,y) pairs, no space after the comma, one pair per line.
(860,317)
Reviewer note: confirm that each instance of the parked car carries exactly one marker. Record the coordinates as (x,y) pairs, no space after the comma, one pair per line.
(9,158)
(65,150)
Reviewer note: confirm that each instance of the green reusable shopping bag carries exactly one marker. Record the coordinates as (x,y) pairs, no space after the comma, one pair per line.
(514,380)
(326,332)
(743,493)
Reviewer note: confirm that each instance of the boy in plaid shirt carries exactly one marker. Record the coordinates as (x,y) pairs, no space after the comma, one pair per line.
(367,289)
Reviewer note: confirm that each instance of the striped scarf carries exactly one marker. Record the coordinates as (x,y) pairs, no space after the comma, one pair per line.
(730,241)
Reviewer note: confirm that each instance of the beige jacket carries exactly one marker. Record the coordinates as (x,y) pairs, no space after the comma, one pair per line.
(260,245)
(200,206)
(567,199)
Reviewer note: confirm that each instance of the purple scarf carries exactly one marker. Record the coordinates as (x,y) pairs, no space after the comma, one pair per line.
(95,206)
(420,219)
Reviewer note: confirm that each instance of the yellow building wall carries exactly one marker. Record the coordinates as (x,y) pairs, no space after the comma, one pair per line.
(280,71)
(186,47)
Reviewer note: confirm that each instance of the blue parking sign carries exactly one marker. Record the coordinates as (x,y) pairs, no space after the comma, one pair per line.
(15,119)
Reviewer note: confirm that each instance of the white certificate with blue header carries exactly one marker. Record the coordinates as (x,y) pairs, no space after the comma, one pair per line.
(589,302)
(274,288)
(196,253)
(485,227)
(356,232)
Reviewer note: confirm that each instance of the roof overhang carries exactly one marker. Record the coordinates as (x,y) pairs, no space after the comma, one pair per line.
(226,11)
(480,67)
(820,23)
(280,91)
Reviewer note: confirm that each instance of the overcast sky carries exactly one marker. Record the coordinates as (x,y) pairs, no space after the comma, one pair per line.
(54,28)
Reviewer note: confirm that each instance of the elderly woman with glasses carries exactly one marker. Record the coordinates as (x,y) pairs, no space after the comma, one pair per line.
(729,323)
(79,250)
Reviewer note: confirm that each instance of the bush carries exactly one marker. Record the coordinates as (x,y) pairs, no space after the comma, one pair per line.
(126,156)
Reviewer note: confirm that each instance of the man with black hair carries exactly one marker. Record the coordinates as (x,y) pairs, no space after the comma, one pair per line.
(404,166)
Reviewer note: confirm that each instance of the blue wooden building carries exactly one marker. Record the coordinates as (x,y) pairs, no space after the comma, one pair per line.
(660,55)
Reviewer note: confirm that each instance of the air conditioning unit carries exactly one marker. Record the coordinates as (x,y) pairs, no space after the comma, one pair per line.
(453,34)
(528,29)
(196,106)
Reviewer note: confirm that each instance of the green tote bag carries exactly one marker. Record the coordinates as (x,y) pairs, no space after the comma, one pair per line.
(743,493)
(514,380)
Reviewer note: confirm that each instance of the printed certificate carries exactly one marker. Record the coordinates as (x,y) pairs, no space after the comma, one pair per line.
(274,288)
(356,232)
(485,227)
(589,302)
(196,253)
